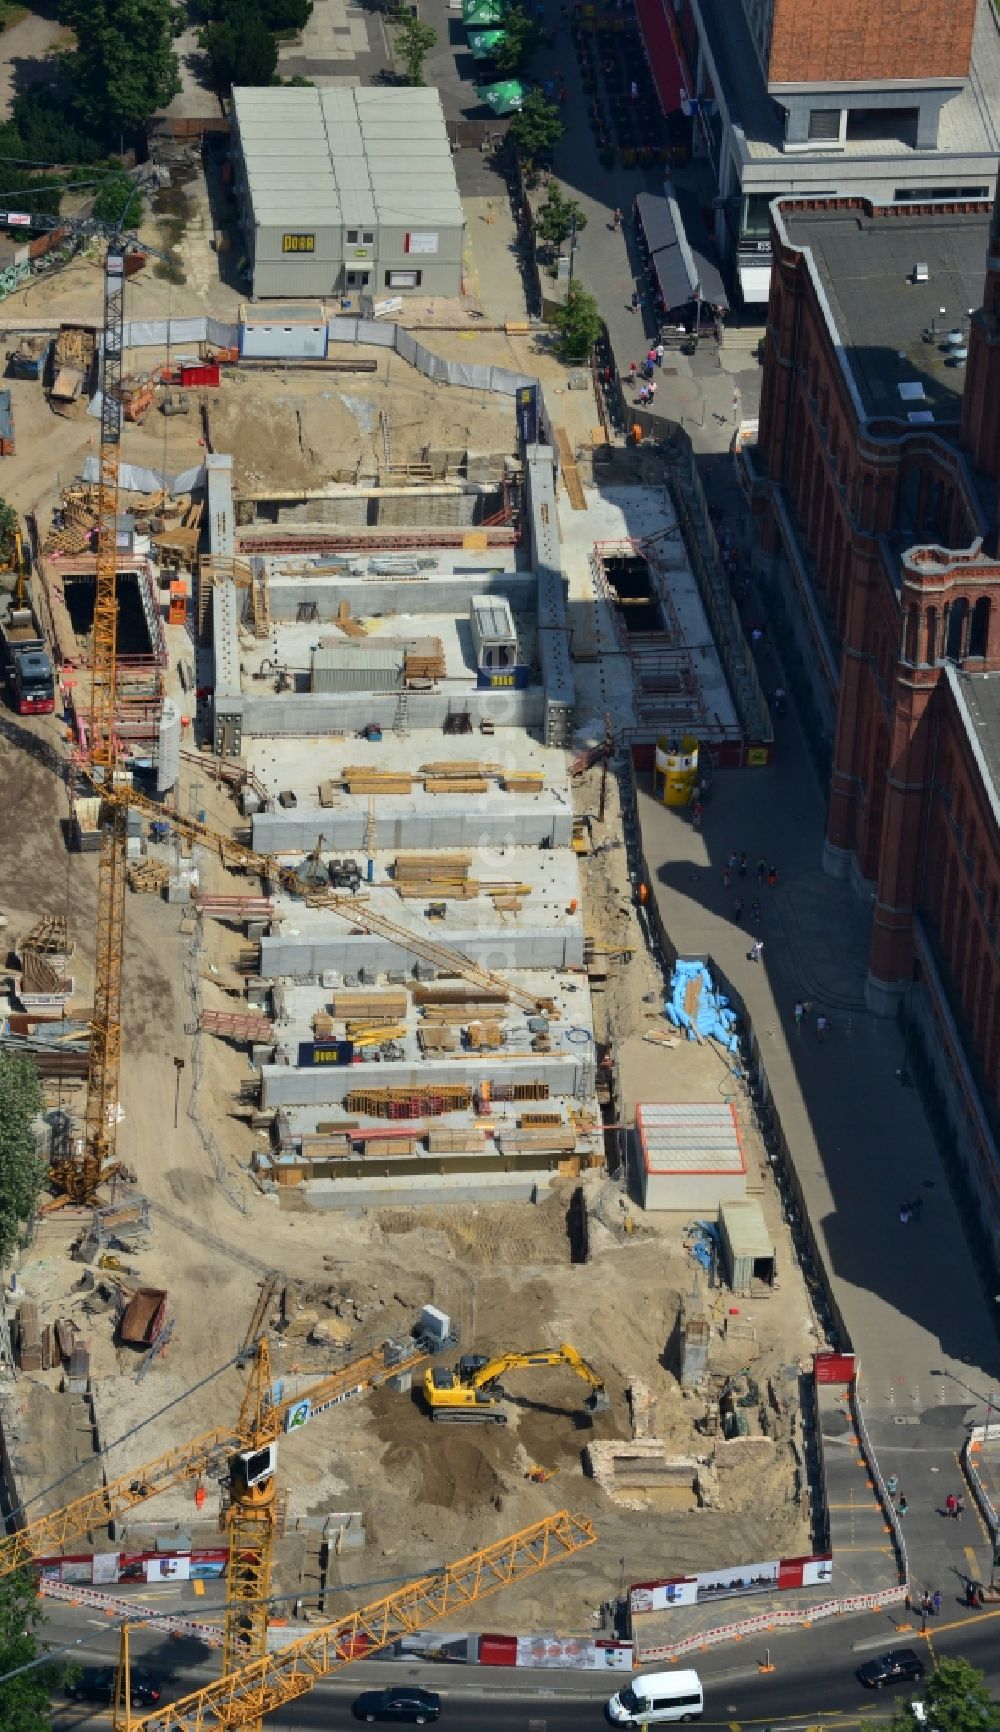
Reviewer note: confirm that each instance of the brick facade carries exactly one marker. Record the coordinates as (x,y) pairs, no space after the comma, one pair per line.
(831,41)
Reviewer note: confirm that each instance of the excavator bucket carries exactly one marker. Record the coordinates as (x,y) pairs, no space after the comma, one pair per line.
(598,1402)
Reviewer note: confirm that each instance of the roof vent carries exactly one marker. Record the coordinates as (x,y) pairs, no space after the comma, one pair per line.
(921,273)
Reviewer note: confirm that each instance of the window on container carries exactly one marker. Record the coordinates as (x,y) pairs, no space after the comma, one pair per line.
(824,123)
(402,279)
(367,237)
(352,237)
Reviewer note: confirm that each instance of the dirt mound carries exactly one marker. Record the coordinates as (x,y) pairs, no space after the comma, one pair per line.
(491,1233)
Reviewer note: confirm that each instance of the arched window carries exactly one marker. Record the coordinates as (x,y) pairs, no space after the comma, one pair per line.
(930,649)
(979,632)
(957,616)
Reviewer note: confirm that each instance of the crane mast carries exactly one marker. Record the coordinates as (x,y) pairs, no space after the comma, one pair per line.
(81,1179)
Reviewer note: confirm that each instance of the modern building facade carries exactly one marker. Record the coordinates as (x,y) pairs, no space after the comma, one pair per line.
(346,192)
(875,98)
(876,481)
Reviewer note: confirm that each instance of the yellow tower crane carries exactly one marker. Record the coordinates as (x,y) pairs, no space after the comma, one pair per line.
(241,1698)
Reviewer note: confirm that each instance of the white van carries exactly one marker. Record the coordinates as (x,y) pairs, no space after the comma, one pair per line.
(658,1697)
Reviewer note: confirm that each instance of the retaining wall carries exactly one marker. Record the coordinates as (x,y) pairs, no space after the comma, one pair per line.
(287,1086)
(435,593)
(299,957)
(475,821)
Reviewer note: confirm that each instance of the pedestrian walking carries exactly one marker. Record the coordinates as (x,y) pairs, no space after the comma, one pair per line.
(800,1011)
(652,389)
(632,371)
(651,357)
(959,1507)
(902,1507)
(633,91)
(643,393)
(936,1602)
(772,876)
(761,870)
(696,815)
(892,1485)
(904,1221)
(734,861)
(659,354)
(635,300)
(756,950)
(725,877)
(755,911)
(738,911)
(616,220)
(949,1503)
(743,865)
(822,1026)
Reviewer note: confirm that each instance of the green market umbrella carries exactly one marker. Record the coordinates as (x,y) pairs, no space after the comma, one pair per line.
(505,98)
(482,14)
(484,42)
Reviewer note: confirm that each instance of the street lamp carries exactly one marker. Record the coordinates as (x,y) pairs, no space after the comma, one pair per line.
(178,1067)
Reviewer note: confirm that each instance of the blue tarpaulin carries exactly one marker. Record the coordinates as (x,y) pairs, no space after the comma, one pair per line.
(712,1017)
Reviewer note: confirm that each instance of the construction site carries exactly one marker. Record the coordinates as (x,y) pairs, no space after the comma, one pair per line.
(326,937)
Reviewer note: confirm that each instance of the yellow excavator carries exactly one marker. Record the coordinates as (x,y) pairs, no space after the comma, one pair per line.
(472,1393)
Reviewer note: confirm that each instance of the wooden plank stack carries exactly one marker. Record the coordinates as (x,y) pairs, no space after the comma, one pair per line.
(29,1336)
(391,1003)
(424,660)
(366,779)
(524,781)
(434,875)
(456,785)
(434,1039)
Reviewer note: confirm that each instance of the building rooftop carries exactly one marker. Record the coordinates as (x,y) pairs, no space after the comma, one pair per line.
(970,122)
(367,155)
(878,315)
(689,1137)
(979,696)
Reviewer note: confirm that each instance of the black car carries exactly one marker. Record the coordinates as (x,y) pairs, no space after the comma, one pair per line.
(99,1686)
(401,1702)
(895,1666)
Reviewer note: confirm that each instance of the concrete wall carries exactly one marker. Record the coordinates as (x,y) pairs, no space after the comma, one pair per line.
(439,593)
(285,1086)
(487,822)
(376,1193)
(345,712)
(527,947)
(553,628)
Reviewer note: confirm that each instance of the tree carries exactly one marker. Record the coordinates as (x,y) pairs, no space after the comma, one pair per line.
(240,54)
(578,322)
(24,1700)
(522,37)
(558,216)
(118,202)
(124,66)
(412,40)
(8,523)
(955,1698)
(538,128)
(22,1170)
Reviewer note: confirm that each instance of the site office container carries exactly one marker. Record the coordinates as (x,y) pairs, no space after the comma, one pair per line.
(285,330)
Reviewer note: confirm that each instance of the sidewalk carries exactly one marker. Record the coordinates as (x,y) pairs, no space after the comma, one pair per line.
(925,1338)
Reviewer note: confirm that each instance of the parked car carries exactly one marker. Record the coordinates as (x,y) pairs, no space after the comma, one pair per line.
(98,1685)
(402,1702)
(896,1666)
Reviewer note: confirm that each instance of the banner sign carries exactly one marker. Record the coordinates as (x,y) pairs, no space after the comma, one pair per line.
(317,1052)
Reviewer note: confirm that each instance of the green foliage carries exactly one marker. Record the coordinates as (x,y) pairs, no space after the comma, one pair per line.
(22,1172)
(579,323)
(47,129)
(523,36)
(240,53)
(538,128)
(412,40)
(123,66)
(8,524)
(118,203)
(24,1700)
(557,216)
(956,1699)
(286,15)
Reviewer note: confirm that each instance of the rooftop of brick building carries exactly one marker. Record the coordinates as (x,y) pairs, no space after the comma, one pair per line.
(905,358)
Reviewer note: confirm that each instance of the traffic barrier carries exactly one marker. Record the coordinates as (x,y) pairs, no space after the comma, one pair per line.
(130,1611)
(784,1619)
(978,1435)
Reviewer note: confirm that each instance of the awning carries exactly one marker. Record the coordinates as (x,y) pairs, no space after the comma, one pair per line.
(661,53)
(681,255)
(482,14)
(506,98)
(483,43)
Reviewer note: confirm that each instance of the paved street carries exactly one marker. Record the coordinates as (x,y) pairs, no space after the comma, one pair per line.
(813,1677)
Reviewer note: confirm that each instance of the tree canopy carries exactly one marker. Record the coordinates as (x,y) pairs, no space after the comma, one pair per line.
(244,53)
(578,322)
(22,1171)
(955,1698)
(24,1700)
(413,40)
(538,128)
(521,38)
(123,66)
(558,216)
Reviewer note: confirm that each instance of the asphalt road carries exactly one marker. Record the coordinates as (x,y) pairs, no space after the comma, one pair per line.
(812,1680)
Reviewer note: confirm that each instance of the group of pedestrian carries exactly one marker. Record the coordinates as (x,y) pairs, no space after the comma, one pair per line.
(954,1506)
(911,1212)
(930,1606)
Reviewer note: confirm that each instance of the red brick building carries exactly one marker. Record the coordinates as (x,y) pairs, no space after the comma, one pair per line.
(877,465)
